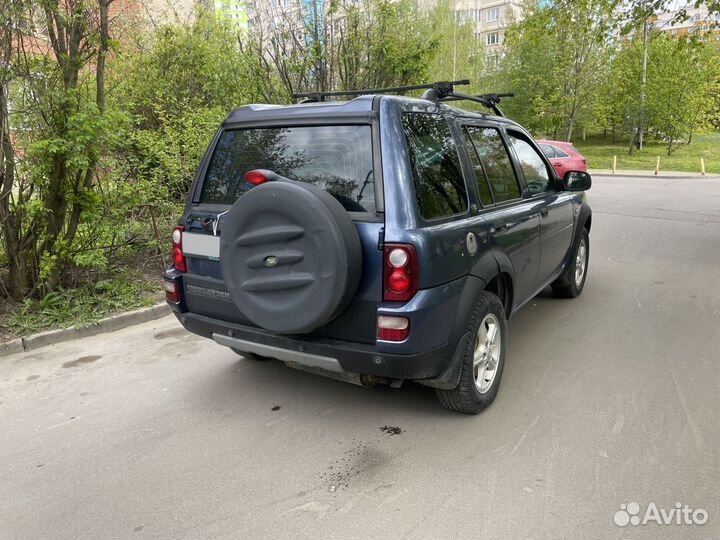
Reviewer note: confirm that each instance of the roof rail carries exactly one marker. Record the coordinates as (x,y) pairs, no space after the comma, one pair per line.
(442,89)
(437,91)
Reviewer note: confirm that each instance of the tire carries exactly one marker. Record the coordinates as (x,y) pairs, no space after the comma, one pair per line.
(474,394)
(252,356)
(290,256)
(571,283)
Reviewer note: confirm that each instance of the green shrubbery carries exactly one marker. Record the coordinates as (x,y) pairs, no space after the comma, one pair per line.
(83,305)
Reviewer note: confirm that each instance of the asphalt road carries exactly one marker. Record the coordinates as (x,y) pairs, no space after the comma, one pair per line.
(607,399)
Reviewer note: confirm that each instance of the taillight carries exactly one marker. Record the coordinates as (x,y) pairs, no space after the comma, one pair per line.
(392,328)
(177,252)
(401,276)
(172,294)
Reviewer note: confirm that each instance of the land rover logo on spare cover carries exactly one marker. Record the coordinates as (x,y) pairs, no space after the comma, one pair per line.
(270,261)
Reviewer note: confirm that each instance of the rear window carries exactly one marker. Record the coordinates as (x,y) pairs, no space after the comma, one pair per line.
(337,159)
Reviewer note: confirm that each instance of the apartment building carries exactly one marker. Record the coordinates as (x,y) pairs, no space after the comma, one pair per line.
(266,14)
(697,21)
(235,12)
(490,18)
(157,12)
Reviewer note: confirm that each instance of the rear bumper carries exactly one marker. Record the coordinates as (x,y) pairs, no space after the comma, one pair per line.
(327,354)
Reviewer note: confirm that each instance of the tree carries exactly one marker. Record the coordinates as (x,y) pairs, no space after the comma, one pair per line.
(681,73)
(51,46)
(355,45)
(175,93)
(556,59)
(679,94)
(459,53)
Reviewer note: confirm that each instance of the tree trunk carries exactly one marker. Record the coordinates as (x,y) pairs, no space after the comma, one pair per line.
(86,182)
(102,54)
(633,140)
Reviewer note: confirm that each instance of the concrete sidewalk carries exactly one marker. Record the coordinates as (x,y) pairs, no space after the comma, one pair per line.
(651,174)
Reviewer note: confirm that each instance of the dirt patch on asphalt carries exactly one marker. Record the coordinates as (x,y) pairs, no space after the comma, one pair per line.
(392,430)
(82,360)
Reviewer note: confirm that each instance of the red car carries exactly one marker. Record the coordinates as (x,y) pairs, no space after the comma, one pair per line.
(563,156)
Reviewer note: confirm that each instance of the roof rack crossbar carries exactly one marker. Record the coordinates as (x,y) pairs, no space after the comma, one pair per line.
(490,101)
(443,88)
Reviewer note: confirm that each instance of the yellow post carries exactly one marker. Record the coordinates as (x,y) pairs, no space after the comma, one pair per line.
(702,166)
(657,166)
(614,164)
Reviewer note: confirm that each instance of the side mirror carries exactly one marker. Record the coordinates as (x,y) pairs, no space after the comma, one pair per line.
(577,181)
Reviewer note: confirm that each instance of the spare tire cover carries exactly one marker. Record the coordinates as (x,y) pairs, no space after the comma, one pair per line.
(290,256)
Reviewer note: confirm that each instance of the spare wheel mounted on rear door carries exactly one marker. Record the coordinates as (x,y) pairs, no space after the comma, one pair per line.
(290,256)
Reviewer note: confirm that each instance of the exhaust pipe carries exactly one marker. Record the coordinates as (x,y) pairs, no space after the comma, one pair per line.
(359,379)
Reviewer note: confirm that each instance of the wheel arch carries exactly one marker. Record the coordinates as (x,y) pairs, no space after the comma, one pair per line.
(487,275)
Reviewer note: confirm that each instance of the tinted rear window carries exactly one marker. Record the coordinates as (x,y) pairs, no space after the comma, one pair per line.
(439,184)
(337,159)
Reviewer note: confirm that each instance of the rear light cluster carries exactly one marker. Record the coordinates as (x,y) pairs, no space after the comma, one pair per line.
(392,328)
(178,256)
(172,293)
(400,277)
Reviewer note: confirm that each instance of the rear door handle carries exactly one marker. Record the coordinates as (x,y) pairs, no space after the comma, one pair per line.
(544,212)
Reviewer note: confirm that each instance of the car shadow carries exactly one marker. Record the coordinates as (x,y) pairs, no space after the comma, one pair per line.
(263,385)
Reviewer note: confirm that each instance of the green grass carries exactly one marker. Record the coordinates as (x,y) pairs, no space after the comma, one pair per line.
(79,307)
(685,157)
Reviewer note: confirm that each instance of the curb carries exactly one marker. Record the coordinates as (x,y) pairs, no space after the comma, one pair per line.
(109,324)
(689,176)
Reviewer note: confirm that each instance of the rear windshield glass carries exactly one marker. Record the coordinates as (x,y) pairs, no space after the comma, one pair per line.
(337,159)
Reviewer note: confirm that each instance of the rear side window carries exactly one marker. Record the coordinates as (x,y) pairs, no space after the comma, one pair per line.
(337,159)
(496,163)
(548,150)
(439,185)
(480,175)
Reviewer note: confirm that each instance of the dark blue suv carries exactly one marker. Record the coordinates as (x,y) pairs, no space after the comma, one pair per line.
(376,240)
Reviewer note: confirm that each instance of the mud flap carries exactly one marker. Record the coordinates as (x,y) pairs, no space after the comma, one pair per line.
(450,378)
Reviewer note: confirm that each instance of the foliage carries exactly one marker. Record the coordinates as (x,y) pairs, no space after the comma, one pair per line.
(679,96)
(459,53)
(555,60)
(176,92)
(82,306)
(573,70)
(682,75)
(48,167)
(363,44)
